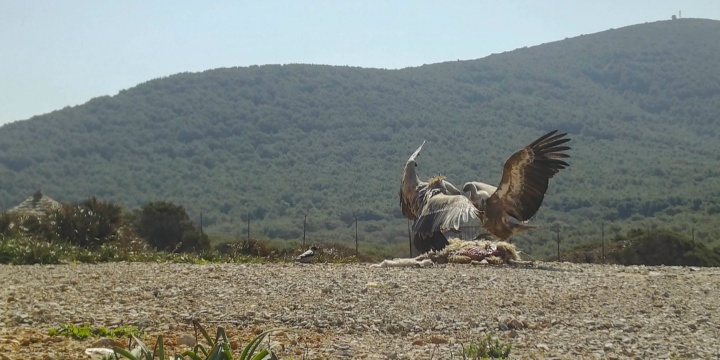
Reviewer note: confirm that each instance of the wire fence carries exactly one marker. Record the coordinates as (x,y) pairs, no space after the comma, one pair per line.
(552,232)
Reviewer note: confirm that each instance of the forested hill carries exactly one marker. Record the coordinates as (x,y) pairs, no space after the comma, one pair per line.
(641,104)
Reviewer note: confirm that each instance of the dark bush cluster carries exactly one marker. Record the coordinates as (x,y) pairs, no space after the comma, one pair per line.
(95,230)
(665,247)
(88,224)
(167,227)
(655,247)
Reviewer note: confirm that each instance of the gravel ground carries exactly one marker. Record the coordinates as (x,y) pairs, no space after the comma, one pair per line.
(564,311)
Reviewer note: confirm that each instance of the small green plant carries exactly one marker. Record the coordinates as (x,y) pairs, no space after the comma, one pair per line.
(21,250)
(85,331)
(487,348)
(214,349)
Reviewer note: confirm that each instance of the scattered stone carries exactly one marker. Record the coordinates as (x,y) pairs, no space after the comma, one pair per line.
(438,340)
(556,310)
(515,324)
(107,343)
(97,353)
(186,339)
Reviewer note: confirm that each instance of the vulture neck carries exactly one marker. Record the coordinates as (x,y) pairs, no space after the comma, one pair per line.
(478,198)
(411,177)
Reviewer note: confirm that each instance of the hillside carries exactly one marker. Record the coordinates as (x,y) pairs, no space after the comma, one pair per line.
(641,104)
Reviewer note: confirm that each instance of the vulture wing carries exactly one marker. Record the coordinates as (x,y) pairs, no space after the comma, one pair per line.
(525,177)
(450,189)
(440,212)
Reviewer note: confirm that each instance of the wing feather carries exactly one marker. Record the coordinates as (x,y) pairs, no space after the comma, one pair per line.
(526,174)
(440,212)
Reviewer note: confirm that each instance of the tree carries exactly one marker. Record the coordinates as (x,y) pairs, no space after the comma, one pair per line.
(168,227)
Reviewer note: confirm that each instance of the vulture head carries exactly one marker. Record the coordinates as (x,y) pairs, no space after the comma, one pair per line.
(478,196)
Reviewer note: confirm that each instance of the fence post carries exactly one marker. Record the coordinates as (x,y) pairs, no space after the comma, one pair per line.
(248,226)
(356,237)
(557,238)
(409,237)
(602,238)
(304,223)
(693,238)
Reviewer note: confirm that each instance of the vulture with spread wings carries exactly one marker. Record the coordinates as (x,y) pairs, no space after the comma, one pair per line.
(519,195)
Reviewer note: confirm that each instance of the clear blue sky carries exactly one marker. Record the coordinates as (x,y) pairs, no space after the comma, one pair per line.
(61,53)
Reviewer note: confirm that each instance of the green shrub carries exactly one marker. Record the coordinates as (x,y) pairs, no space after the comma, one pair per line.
(657,247)
(487,348)
(11,224)
(85,331)
(21,250)
(166,226)
(250,247)
(218,348)
(88,224)
(26,224)
(665,247)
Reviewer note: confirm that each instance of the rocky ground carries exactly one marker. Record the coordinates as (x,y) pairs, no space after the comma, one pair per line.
(564,311)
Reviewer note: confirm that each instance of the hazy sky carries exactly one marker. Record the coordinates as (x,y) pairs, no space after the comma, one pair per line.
(59,53)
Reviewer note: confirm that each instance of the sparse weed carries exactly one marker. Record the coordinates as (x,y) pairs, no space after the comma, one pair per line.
(85,331)
(486,348)
(218,348)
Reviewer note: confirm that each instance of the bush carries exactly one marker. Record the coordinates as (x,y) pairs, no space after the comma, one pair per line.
(166,226)
(218,348)
(657,247)
(487,348)
(27,251)
(14,224)
(251,247)
(88,224)
(665,247)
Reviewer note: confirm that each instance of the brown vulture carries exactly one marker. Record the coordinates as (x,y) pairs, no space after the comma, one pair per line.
(519,195)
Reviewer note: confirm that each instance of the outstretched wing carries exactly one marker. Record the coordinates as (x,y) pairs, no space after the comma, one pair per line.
(525,177)
(440,212)
(409,186)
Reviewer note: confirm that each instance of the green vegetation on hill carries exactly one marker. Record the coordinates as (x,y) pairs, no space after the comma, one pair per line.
(274,143)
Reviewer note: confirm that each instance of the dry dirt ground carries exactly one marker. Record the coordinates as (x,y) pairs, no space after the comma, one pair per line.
(328,311)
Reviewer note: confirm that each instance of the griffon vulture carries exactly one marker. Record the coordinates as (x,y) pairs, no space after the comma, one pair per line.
(440,212)
(411,185)
(519,195)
